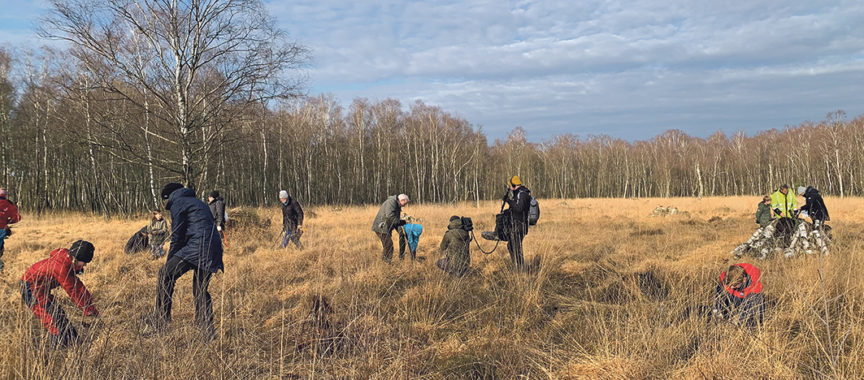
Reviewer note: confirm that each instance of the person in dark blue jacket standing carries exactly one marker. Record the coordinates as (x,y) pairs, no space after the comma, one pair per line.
(195,246)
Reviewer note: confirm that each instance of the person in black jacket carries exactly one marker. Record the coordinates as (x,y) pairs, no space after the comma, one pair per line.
(195,246)
(217,208)
(518,197)
(818,213)
(292,220)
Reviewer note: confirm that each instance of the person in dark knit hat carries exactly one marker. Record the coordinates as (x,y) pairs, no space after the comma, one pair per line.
(196,247)
(217,208)
(60,269)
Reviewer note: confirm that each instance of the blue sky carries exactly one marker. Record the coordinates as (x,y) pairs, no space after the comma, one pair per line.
(629,69)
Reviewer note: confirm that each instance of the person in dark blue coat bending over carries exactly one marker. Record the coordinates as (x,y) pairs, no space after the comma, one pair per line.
(195,246)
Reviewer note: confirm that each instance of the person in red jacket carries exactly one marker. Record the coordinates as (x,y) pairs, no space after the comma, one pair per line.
(739,295)
(60,269)
(8,215)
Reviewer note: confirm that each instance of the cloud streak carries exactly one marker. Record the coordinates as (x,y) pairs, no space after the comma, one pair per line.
(629,68)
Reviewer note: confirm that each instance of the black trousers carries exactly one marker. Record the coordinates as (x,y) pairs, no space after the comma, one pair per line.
(514,246)
(387,245)
(173,269)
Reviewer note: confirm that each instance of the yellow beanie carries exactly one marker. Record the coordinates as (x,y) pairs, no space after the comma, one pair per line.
(515,181)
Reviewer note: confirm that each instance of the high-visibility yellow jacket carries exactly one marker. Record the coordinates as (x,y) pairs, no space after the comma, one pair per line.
(786,203)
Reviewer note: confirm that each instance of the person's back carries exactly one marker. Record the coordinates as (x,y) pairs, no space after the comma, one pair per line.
(456,247)
(60,269)
(412,233)
(814,205)
(194,238)
(388,216)
(520,204)
(8,213)
(739,295)
(217,208)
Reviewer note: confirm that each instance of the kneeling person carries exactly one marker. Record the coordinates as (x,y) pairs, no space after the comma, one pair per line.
(456,246)
(739,295)
(60,269)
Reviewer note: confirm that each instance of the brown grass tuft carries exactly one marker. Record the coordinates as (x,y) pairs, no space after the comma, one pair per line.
(618,296)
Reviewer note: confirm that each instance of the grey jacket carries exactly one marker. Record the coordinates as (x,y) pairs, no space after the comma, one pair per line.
(388,216)
(217,208)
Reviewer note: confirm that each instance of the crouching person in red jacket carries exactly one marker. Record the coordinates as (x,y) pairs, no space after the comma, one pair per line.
(60,269)
(739,296)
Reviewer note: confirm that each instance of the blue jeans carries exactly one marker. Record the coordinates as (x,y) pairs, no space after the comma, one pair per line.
(2,240)
(157,250)
(292,236)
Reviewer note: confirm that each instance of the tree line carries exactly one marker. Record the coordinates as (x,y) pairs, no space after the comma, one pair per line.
(207,93)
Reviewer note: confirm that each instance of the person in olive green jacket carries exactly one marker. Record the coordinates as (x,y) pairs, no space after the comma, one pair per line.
(158,231)
(763,234)
(387,220)
(456,246)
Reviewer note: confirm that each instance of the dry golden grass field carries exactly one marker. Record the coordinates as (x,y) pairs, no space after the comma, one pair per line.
(611,300)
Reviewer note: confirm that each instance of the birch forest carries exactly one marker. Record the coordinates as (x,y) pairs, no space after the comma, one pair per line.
(101,125)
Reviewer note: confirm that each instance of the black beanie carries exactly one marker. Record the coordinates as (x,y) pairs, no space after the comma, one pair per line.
(214,194)
(170,188)
(82,251)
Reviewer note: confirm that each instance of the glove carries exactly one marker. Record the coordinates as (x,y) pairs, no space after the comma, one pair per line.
(506,197)
(402,222)
(219,228)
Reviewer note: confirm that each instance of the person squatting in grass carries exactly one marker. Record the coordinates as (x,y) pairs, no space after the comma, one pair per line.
(518,197)
(456,245)
(158,231)
(195,246)
(387,220)
(292,220)
(738,297)
(763,234)
(8,215)
(814,208)
(60,269)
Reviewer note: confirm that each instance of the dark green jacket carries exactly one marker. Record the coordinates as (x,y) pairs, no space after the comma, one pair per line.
(158,231)
(763,215)
(456,246)
(388,216)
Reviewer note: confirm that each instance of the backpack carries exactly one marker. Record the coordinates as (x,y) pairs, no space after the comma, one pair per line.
(533,212)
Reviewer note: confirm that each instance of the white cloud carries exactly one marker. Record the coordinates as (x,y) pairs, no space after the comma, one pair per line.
(630,68)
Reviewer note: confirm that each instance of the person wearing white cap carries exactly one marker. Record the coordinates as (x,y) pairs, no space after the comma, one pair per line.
(387,220)
(292,220)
